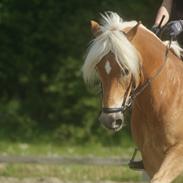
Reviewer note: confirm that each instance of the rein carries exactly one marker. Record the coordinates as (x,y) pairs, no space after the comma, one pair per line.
(130,95)
(149,81)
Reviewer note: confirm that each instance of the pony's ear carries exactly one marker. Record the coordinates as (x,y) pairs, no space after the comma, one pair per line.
(95,28)
(131,33)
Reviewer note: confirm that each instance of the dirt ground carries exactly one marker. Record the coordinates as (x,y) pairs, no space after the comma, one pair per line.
(43,180)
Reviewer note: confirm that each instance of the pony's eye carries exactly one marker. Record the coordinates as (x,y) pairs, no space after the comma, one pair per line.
(125,72)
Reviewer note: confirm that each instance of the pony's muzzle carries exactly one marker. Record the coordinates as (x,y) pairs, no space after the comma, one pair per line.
(112,121)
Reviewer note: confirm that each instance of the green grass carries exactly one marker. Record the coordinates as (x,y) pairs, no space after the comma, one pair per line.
(75,173)
(50,149)
(71,173)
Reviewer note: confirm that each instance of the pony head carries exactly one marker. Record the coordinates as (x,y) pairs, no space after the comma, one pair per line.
(114,61)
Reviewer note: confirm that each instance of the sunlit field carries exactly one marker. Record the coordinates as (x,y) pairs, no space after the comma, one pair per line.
(72,173)
(68,172)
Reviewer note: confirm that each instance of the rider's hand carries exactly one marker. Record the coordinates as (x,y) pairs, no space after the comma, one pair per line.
(156,29)
(173,29)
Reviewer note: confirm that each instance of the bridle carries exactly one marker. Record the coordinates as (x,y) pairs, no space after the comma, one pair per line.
(132,92)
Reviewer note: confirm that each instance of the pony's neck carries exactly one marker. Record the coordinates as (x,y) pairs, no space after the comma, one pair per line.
(151,50)
(153,54)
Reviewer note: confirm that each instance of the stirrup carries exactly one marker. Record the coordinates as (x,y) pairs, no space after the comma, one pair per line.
(135,165)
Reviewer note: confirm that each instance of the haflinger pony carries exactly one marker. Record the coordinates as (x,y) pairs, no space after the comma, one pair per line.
(135,66)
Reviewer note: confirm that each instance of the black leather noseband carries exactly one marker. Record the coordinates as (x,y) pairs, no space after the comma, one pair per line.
(113,110)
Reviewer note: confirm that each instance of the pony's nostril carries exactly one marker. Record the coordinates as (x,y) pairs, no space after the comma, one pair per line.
(119,122)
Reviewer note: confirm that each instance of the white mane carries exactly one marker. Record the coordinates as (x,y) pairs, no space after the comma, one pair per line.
(111,39)
(175,47)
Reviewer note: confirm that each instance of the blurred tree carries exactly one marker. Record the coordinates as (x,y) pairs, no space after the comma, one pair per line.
(42,45)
